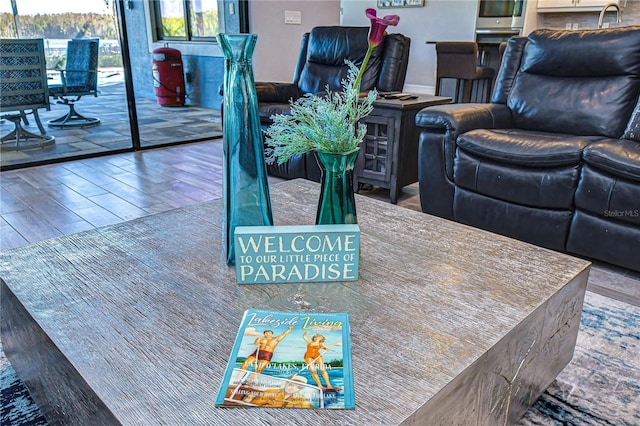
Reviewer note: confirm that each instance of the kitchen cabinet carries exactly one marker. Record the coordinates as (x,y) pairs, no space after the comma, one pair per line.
(548,6)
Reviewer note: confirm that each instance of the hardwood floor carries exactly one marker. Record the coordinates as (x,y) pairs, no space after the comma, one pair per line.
(44,202)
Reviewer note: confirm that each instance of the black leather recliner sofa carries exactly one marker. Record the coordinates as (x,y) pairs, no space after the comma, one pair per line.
(554,159)
(321,62)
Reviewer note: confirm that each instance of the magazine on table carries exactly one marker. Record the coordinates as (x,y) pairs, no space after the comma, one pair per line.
(290,360)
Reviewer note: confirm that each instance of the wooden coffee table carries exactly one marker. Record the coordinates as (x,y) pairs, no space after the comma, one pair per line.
(133,323)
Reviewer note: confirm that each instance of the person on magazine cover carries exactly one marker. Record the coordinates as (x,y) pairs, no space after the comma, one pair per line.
(313,358)
(264,351)
(287,397)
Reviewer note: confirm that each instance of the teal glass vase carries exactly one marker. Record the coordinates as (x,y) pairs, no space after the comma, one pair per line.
(337,203)
(245,198)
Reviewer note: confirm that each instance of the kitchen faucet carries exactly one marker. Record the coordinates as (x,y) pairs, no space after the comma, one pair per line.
(604,9)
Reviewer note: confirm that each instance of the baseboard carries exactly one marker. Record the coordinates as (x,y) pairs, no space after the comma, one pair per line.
(419,88)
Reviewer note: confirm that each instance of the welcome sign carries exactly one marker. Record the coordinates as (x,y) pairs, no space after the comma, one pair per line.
(306,253)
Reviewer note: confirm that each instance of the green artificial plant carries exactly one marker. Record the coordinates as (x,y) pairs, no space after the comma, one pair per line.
(330,121)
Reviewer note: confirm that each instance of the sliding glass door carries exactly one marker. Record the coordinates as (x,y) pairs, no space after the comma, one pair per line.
(136,102)
(88,112)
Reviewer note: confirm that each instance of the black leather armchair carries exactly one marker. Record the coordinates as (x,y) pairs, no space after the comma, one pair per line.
(321,62)
(554,159)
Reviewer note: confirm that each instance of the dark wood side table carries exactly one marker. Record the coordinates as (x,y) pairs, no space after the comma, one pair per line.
(388,157)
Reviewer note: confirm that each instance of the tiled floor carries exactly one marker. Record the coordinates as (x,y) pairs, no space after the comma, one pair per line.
(52,200)
(157,125)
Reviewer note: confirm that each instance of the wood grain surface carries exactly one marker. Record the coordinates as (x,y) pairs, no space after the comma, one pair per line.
(133,323)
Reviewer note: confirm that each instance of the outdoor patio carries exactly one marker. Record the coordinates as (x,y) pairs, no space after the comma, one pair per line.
(157,126)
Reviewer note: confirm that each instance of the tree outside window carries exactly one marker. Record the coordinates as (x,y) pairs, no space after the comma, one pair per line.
(193,20)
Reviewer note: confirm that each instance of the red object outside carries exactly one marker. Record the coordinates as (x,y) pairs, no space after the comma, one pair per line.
(168,76)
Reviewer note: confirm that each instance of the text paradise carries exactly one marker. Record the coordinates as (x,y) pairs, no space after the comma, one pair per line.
(297,254)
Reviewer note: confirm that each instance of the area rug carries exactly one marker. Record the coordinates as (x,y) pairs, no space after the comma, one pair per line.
(16,405)
(601,385)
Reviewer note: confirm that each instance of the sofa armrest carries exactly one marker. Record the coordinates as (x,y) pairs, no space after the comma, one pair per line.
(460,118)
(446,122)
(441,126)
(277,92)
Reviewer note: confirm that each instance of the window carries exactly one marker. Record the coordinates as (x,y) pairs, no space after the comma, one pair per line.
(186,20)
(191,26)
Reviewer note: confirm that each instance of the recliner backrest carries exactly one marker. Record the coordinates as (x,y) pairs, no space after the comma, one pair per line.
(324,50)
(395,60)
(509,67)
(578,82)
(82,64)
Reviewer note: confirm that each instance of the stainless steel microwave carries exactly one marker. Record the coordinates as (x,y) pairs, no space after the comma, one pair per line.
(500,14)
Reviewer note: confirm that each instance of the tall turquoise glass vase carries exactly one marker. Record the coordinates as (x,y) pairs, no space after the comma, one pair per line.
(245,198)
(337,203)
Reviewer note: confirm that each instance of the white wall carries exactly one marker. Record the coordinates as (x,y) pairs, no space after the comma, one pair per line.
(438,20)
(278,43)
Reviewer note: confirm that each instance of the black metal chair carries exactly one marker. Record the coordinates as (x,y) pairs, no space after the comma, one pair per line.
(23,87)
(458,60)
(79,78)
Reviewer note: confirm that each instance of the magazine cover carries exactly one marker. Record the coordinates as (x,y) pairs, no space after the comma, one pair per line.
(290,360)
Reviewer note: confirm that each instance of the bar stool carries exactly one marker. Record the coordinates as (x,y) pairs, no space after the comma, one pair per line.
(458,60)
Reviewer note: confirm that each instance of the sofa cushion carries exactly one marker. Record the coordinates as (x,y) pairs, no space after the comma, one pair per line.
(294,168)
(266,110)
(544,227)
(541,187)
(587,53)
(604,239)
(581,106)
(607,196)
(525,148)
(569,83)
(619,157)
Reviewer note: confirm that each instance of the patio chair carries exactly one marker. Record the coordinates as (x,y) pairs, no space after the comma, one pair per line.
(23,87)
(78,78)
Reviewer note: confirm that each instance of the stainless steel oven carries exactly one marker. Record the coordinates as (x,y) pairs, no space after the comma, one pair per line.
(500,14)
